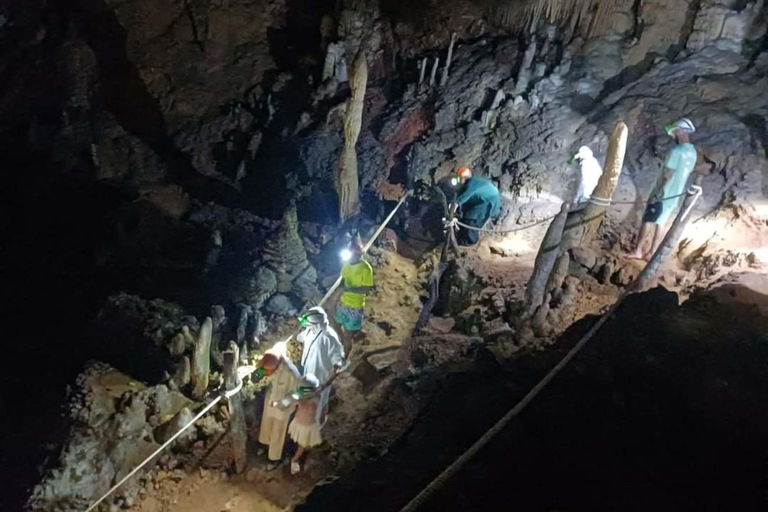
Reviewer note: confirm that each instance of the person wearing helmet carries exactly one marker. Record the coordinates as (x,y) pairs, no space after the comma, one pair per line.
(357,275)
(590,173)
(667,193)
(322,354)
(283,379)
(479,200)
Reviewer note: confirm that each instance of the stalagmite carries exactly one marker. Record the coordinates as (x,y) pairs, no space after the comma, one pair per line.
(581,226)
(246,312)
(444,79)
(423,70)
(434,71)
(524,75)
(237,433)
(202,360)
(349,199)
(545,261)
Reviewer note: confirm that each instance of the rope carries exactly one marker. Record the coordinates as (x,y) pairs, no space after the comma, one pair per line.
(367,246)
(459,463)
(455,222)
(599,201)
(162,447)
(602,201)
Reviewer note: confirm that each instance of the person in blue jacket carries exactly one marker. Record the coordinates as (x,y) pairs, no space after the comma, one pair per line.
(479,201)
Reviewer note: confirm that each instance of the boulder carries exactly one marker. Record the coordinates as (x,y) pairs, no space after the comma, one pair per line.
(279,304)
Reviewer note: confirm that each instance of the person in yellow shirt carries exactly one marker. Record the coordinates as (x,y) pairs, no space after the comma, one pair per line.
(357,282)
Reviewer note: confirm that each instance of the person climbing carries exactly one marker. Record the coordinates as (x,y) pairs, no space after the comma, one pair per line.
(589,176)
(284,378)
(305,427)
(357,275)
(667,193)
(479,200)
(322,354)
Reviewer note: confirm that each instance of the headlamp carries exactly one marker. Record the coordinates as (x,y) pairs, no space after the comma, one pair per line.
(303,321)
(570,161)
(669,128)
(455,181)
(345,254)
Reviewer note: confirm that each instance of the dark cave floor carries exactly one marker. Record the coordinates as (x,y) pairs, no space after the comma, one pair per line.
(664,410)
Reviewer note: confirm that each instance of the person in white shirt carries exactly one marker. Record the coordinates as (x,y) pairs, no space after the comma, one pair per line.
(590,173)
(322,354)
(284,378)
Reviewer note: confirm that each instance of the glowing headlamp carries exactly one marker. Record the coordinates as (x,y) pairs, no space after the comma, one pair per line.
(346,254)
(455,181)
(303,321)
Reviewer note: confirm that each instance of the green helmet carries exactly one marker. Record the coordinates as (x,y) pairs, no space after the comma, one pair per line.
(684,125)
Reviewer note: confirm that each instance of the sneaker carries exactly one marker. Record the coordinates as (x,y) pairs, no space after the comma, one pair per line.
(295,467)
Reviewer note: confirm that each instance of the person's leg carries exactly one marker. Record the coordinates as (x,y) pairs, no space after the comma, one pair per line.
(644,230)
(296,460)
(658,235)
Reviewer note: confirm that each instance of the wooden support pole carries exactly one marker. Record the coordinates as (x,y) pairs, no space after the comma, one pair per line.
(648,274)
(545,261)
(237,433)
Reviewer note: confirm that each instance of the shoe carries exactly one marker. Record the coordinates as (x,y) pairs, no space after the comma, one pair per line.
(295,467)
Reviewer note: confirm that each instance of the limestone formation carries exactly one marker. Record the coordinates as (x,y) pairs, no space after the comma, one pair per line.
(347,183)
(446,69)
(202,360)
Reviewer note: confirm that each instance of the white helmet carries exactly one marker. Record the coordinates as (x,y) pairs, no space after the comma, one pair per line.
(684,125)
(584,153)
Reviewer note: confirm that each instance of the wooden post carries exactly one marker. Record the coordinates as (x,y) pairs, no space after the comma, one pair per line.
(201,364)
(237,433)
(545,261)
(648,274)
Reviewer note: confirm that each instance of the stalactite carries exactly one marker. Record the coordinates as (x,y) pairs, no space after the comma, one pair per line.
(349,198)
(517,14)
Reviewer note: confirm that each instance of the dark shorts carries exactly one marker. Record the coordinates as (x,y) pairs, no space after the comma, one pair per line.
(652,212)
